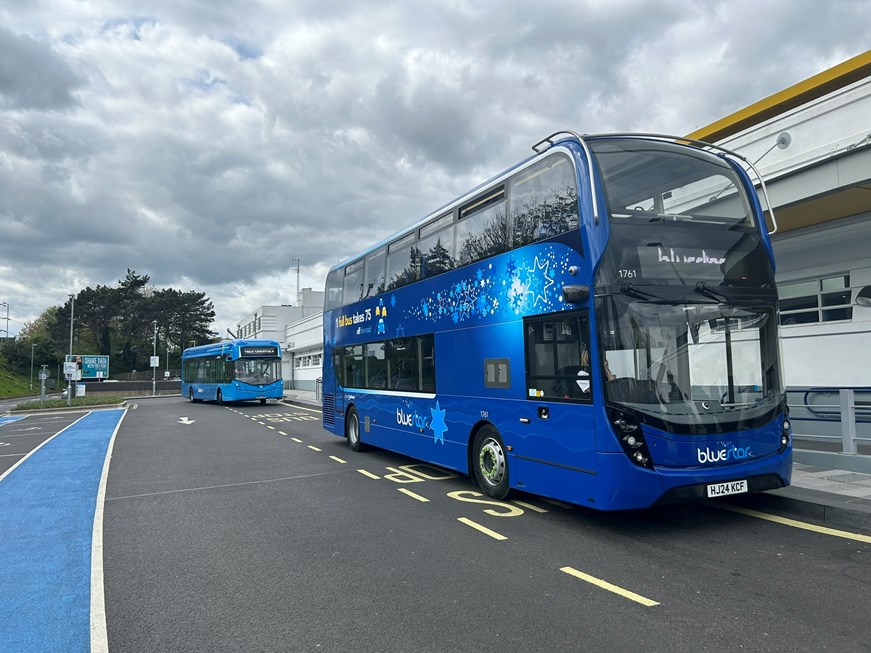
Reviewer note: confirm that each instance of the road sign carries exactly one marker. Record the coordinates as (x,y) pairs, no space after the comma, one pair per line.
(155,361)
(92,366)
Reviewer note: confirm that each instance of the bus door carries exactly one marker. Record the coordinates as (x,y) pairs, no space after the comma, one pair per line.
(557,450)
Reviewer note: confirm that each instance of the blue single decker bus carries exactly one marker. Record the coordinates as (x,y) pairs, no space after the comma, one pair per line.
(598,324)
(232,370)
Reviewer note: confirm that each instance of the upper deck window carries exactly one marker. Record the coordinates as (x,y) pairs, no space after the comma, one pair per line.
(544,201)
(375,273)
(654,181)
(353,285)
(482,230)
(402,262)
(436,247)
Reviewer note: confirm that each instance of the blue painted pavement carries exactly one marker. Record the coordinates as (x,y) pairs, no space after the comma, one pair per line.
(47,509)
(8,420)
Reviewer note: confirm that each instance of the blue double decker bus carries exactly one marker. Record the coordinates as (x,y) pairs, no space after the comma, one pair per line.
(598,324)
(232,370)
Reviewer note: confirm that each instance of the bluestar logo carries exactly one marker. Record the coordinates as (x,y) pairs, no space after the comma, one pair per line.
(411,419)
(728,452)
(418,421)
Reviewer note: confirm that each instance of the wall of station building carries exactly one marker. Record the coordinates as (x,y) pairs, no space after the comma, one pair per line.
(303,353)
(823,274)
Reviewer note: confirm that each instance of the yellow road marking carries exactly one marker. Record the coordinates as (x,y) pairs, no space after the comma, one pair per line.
(528,506)
(605,585)
(847,535)
(483,529)
(270,427)
(413,495)
(369,474)
(296,440)
(261,423)
(282,433)
(338,460)
(313,448)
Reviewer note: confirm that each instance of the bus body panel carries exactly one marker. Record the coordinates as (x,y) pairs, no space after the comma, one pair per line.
(713,450)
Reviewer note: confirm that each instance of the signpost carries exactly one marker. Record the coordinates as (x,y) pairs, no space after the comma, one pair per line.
(43,375)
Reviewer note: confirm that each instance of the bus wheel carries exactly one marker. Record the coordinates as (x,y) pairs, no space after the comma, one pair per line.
(352,431)
(218,398)
(490,464)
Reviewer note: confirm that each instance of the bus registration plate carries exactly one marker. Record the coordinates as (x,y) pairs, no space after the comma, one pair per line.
(722,489)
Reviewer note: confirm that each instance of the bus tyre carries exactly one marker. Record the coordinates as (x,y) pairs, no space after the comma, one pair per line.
(219,399)
(352,430)
(490,463)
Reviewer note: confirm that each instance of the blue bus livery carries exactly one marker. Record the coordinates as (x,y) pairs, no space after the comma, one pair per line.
(232,370)
(597,324)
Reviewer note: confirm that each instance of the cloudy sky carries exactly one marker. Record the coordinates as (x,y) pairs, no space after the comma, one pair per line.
(211,143)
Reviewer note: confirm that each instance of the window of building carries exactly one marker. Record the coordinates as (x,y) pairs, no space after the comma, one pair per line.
(817,300)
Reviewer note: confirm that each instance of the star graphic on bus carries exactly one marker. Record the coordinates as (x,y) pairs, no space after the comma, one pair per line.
(537,284)
(437,424)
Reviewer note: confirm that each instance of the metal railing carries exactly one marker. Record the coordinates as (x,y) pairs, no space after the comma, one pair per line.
(831,419)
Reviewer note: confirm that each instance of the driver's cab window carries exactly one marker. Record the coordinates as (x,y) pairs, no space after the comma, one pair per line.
(558,357)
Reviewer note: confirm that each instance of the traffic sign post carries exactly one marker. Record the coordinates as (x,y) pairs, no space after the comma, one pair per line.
(155,363)
(43,375)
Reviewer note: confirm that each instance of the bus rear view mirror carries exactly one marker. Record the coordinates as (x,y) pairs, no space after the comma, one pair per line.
(576,294)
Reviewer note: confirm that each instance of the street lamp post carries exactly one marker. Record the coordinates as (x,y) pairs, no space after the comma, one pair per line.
(32,345)
(70,382)
(6,304)
(153,366)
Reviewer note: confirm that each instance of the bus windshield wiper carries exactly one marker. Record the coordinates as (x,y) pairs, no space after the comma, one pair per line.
(630,289)
(704,289)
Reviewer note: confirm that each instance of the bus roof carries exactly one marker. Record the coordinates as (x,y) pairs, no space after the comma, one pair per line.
(227,346)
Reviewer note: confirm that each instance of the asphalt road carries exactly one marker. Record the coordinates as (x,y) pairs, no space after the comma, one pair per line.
(249,528)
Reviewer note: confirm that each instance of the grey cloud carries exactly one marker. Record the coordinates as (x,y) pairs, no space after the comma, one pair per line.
(32,75)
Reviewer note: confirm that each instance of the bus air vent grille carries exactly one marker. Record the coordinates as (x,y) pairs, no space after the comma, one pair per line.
(329,409)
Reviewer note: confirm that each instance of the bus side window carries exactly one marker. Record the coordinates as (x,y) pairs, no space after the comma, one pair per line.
(544,201)
(555,357)
(374,277)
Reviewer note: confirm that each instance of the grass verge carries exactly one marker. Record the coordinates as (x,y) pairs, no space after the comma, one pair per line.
(78,402)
